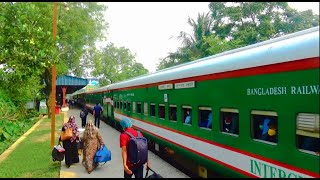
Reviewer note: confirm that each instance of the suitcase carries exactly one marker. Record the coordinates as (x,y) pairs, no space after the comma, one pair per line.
(154,175)
(58,153)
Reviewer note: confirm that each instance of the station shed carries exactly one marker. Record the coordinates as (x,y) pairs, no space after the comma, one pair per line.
(67,85)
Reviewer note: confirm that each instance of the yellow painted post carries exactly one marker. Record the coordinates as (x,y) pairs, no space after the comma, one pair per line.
(53,83)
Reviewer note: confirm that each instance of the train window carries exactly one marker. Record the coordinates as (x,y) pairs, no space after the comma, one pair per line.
(264,125)
(152,109)
(129,106)
(134,107)
(229,120)
(186,114)
(125,105)
(121,105)
(173,112)
(205,117)
(118,104)
(162,111)
(145,109)
(139,109)
(308,138)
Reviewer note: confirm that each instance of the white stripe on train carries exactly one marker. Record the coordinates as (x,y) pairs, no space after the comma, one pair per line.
(239,162)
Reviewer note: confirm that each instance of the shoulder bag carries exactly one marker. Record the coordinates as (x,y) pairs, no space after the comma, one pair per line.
(66,134)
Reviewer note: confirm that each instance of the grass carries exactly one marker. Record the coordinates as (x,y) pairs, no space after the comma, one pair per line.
(32,157)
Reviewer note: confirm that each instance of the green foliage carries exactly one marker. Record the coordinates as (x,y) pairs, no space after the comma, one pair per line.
(13,122)
(116,64)
(78,30)
(27,46)
(7,108)
(237,24)
(32,159)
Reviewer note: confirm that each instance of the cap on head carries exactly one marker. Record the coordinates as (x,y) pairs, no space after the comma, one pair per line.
(125,122)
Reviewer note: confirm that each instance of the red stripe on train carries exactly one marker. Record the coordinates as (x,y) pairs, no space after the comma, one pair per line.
(309,63)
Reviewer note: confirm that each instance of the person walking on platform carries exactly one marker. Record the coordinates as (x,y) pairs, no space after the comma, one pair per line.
(92,141)
(83,116)
(70,145)
(129,169)
(97,111)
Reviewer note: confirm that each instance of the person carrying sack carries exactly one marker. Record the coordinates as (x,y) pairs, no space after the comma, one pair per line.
(70,144)
(130,155)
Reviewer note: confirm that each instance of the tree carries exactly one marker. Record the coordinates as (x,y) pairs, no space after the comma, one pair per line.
(115,64)
(237,24)
(26,42)
(193,45)
(253,22)
(26,49)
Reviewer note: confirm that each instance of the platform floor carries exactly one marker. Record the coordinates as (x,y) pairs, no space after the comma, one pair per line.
(114,168)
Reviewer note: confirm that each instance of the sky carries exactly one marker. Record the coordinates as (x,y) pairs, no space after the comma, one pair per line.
(149,29)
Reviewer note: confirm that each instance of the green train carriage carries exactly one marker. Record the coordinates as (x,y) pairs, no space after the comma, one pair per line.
(230,96)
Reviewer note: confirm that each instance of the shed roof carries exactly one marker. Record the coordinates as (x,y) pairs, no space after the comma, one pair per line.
(67,80)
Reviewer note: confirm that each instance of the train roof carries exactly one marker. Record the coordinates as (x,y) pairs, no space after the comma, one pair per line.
(295,46)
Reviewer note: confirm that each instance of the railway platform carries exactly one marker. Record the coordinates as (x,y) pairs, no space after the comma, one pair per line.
(113,168)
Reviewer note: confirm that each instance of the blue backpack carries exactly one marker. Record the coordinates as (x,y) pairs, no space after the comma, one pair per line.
(102,155)
(137,149)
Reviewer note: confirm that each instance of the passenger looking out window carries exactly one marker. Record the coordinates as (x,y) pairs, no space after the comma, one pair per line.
(186,114)
(227,124)
(188,118)
(205,116)
(265,125)
(269,130)
(230,118)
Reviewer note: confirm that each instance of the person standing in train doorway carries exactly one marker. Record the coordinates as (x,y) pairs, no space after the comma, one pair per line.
(97,111)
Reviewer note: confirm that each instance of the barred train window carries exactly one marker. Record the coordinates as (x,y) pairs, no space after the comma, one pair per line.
(139,109)
(121,105)
(145,109)
(117,105)
(129,106)
(307,130)
(125,105)
(186,115)
(229,120)
(264,126)
(205,117)
(162,111)
(173,112)
(152,109)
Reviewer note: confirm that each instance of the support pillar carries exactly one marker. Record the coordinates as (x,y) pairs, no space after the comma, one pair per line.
(64,90)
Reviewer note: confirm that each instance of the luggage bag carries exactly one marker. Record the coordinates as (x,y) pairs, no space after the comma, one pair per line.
(154,175)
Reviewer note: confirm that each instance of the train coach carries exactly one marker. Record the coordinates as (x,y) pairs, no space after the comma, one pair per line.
(248,112)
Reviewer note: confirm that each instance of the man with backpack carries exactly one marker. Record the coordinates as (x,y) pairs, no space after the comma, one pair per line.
(83,116)
(97,111)
(134,150)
